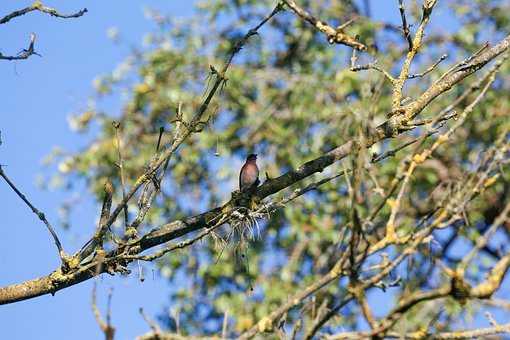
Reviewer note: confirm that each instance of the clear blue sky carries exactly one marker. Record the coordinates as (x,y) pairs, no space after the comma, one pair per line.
(37,96)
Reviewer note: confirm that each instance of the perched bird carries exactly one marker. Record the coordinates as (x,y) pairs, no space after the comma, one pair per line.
(249,175)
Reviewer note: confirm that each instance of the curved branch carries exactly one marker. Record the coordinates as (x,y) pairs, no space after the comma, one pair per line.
(334,35)
(25,53)
(38,213)
(38,6)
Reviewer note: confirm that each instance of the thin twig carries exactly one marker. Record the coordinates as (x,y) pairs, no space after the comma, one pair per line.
(97,240)
(393,152)
(161,131)
(224,328)
(428,70)
(372,66)
(25,53)
(405,26)
(484,239)
(397,95)
(116,126)
(179,245)
(464,62)
(436,122)
(333,35)
(106,327)
(39,214)
(36,6)
(153,325)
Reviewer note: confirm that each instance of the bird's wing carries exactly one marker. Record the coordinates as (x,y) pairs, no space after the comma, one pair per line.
(240,175)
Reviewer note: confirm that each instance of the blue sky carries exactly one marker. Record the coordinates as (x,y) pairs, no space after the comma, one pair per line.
(37,97)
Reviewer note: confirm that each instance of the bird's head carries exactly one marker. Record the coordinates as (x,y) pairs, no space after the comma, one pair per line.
(251,157)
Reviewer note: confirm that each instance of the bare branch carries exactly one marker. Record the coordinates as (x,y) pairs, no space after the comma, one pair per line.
(461,334)
(372,66)
(116,126)
(38,6)
(428,70)
(153,325)
(97,240)
(428,5)
(484,239)
(24,54)
(106,326)
(452,78)
(405,25)
(334,36)
(39,214)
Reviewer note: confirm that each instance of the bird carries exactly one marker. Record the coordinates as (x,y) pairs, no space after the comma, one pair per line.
(249,174)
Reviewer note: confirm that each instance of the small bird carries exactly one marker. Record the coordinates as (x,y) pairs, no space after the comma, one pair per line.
(249,175)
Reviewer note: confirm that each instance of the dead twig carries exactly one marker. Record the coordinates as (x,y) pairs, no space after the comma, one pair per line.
(106,326)
(38,6)
(25,53)
(334,36)
(40,215)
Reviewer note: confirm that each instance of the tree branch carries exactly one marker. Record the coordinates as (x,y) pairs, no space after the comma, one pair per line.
(461,334)
(24,54)
(39,214)
(106,326)
(38,6)
(333,35)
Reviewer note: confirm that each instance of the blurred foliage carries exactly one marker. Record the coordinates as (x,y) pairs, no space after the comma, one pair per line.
(290,97)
